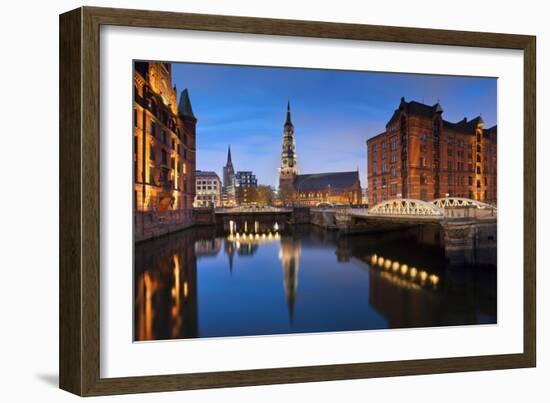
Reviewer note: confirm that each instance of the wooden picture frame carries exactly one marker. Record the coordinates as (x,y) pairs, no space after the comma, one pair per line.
(80,186)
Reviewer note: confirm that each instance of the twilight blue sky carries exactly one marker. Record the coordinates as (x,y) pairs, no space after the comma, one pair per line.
(334,112)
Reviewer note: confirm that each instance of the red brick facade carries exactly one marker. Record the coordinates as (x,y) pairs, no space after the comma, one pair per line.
(422,156)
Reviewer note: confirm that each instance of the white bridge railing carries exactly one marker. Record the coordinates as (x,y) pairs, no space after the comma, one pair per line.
(458,202)
(406,207)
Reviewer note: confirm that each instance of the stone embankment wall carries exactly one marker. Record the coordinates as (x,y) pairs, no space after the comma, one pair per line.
(148,225)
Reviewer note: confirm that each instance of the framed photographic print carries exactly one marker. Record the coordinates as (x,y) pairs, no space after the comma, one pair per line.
(250,201)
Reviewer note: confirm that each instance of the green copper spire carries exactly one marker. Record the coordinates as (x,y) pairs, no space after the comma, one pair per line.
(184,106)
(288,119)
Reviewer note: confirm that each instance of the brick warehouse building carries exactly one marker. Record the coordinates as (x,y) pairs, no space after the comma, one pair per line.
(164,152)
(422,156)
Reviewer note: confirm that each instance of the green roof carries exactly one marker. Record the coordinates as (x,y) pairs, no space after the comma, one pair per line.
(184,106)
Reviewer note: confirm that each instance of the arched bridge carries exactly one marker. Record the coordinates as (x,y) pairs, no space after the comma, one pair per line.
(461,202)
(408,208)
(438,209)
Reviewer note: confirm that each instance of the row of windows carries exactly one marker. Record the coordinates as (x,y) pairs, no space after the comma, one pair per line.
(207,182)
(424,137)
(203,187)
(163,136)
(458,180)
(424,195)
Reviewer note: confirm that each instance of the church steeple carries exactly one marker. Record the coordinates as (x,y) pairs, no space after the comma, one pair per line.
(289,166)
(228,171)
(288,119)
(229,155)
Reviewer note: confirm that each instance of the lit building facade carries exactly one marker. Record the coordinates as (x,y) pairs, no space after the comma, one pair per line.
(245,187)
(164,133)
(246,179)
(313,189)
(422,156)
(208,189)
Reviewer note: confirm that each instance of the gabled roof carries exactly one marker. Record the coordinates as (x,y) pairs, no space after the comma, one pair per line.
(318,181)
(416,108)
(184,106)
(464,126)
(490,132)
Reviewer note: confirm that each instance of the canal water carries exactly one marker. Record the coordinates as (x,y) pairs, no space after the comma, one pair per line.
(203,283)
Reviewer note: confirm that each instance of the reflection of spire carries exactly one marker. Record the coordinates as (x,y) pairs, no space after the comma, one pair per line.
(230,252)
(289,254)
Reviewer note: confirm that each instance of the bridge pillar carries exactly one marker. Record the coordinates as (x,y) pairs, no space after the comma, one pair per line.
(470,242)
(301,215)
(459,241)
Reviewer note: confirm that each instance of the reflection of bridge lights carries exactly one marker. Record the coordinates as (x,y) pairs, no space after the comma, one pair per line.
(434,279)
(395,279)
(263,236)
(185,289)
(413,272)
(401,274)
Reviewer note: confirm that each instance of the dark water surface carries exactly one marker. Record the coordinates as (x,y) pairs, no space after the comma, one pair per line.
(199,283)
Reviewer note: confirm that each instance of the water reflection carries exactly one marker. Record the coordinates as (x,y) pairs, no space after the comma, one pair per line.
(200,283)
